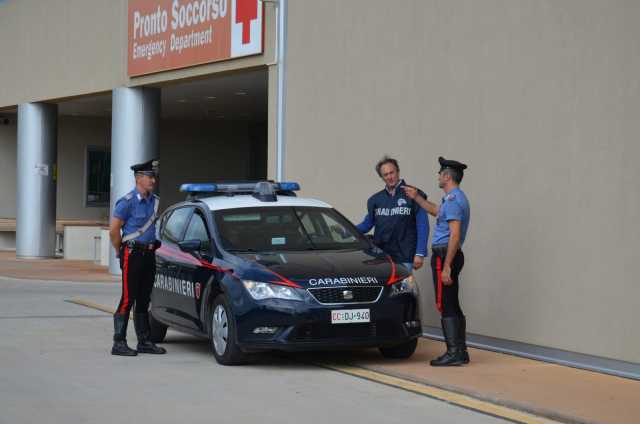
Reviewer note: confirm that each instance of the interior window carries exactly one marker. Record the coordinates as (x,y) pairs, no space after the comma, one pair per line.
(175,224)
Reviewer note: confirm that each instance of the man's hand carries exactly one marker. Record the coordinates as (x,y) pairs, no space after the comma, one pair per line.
(446,276)
(418,261)
(410,192)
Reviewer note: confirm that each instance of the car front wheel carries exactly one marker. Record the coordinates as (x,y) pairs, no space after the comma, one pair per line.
(222,333)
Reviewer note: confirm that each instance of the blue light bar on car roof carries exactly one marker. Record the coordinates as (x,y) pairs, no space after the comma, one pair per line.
(199,188)
(288,186)
(236,187)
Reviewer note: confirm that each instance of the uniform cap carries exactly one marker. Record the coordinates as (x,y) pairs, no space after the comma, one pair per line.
(453,164)
(149,167)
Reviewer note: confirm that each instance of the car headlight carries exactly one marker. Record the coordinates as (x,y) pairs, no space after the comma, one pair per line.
(408,285)
(260,291)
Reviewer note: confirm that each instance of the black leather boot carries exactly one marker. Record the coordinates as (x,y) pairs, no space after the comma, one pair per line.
(462,343)
(120,347)
(455,355)
(145,345)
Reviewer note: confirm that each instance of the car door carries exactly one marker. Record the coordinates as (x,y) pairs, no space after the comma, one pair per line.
(195,271)
(170,293)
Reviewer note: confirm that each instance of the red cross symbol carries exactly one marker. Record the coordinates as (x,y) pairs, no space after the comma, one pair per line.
(246,11)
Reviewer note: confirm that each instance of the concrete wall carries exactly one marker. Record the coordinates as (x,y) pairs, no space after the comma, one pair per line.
(190,151)
(82,45)
(8,157)
(197,151)
(43,38)
(82,243)
(75,134)
(540,98)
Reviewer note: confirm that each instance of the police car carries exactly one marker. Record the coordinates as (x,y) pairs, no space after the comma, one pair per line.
(252,267)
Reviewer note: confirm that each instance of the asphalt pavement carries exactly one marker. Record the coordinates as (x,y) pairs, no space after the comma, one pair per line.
(56,367)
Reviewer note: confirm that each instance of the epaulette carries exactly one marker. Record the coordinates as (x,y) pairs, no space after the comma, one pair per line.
(128,196)
(155,196)
(451,196)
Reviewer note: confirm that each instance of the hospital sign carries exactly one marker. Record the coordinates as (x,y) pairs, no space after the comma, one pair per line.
(172,34)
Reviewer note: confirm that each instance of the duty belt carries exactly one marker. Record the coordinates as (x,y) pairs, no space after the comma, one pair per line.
(440,250)
(136,245)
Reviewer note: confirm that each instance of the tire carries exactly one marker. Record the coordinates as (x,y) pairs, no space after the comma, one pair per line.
(222,334)
(401,351)
(157,330)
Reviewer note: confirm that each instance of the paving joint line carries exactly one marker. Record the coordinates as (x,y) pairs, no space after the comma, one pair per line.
(92,305)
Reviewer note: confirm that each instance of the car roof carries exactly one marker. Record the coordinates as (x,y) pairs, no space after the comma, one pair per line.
(248,201)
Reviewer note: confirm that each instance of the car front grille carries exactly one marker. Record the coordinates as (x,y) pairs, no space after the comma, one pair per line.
(346,295)
(324,331)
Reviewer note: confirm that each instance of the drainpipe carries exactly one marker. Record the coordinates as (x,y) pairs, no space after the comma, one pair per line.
(281,50)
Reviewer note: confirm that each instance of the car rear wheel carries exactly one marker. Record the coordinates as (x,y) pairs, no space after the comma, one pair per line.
(222,334)
(157,330)
(401,351)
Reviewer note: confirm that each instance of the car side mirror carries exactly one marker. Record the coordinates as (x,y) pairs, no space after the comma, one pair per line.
(190,246)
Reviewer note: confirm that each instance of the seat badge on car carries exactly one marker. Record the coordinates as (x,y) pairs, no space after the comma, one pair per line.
(347,295)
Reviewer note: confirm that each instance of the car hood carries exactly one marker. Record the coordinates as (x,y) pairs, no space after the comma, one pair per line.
(324,268)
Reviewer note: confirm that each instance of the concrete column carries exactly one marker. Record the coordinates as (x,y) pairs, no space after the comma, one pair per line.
(36,180)
(134,139)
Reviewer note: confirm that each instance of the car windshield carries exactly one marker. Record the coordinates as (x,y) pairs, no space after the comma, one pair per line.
(286,228)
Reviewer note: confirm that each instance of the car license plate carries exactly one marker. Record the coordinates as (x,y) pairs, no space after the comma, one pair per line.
(350,316)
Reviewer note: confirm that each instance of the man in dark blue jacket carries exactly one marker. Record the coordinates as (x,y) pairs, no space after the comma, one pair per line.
(401,225)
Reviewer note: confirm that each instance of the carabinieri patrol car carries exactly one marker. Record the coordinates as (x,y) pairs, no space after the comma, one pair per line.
(253,267)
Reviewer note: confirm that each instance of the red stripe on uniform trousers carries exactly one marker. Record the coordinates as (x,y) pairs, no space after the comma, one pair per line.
(439,285)
(125,282)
